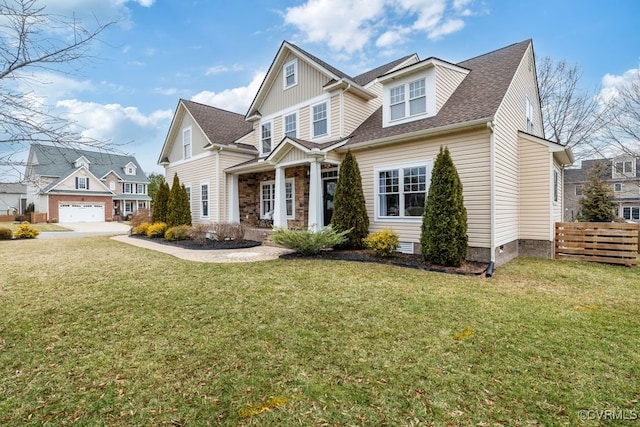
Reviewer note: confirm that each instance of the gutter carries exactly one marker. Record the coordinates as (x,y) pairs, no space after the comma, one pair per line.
(492,172)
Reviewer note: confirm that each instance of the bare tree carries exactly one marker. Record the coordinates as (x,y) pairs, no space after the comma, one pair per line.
(33,41)
(622,129)
(571,115)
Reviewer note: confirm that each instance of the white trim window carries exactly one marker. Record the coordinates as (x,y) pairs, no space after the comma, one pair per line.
(529,109)
(82,183)
(291,125)
(290,74)
(188,188)
(416,92)
(401,191)
(265,138)
(128,207)
(578,189)
(186,143)
(127,188)
(631,213)
(618,187)
(268,202)
(319,120)
(141,189)
(112,186)
(204,200)
(623,168)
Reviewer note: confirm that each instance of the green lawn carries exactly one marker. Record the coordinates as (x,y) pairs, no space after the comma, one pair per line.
(43,226)
(96,332)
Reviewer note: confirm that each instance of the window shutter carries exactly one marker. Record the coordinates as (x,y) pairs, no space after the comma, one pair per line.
(76,182)
(87,181)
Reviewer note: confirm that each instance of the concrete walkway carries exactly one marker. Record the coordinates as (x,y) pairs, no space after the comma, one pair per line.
(86,229)
(258,253)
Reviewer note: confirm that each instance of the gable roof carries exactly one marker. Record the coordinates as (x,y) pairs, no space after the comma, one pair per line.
(477,97)
(368,76)
(57,162)
(12,188)
(220,127)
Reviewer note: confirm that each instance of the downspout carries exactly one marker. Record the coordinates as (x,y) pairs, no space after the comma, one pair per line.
(492,197)
(218,187)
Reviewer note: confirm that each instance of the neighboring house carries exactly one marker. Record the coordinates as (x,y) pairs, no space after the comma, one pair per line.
(281,160)
(13,198)
(622,173)
(84,186)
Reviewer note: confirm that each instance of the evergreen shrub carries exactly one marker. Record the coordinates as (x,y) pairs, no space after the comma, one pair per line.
(25,231)
(349,207)
(157,230)
(307,241)
(179,232)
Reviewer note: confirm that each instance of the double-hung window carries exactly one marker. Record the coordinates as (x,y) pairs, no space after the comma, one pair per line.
(265,138)
(127,188)
(82,183)
(402,191)
(415,92)
(268,197)
(140,189)
(320,120)
(186,143)
(290,73)
(204,200)
(631,213)
(291,125)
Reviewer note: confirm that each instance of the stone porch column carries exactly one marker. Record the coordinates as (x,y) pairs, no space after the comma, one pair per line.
(280,203)
(315,195)
(234,201)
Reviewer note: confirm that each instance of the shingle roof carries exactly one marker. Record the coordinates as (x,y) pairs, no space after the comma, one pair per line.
(370,75)
(322,63)
(477,97)
(55,161)
(221,126)
(12,188)
(582,174)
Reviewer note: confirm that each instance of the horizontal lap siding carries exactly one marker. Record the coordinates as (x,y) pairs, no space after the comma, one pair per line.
(193,173)
(357,110)
(447,81)
(198,140)
(470,153)
(510,118)
(70,183)
(534,191)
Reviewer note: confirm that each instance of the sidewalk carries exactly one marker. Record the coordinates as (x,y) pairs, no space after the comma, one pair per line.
(257,253)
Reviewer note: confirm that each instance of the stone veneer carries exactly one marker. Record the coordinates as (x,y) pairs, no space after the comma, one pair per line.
(249,195)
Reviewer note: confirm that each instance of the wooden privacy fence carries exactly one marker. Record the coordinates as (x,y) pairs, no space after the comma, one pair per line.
(612,243)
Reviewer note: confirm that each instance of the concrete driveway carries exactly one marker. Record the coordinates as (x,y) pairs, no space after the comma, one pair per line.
(87,229)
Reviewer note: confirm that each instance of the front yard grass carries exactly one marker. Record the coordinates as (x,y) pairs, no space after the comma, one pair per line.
(41,226)
(95,332)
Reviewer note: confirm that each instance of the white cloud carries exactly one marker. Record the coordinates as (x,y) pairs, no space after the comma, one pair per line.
(349,26)
(611,83)
(237,99)
(51,85)
(219,69)
(120,125)
(170,91)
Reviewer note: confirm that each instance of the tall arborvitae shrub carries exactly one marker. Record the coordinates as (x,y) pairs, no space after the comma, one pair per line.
(597,203)
(160,203)
(176,206)
(444,223)
(349,208)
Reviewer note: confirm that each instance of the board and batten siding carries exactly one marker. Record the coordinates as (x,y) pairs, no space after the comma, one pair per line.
(310,85)
(535,175)
(511,117)
(470,154)
(447,81)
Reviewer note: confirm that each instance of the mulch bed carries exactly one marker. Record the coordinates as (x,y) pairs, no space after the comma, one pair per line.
(363,255)
(399,259)
(209,245)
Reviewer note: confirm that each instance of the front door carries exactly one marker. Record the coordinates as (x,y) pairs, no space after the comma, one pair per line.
(328,191)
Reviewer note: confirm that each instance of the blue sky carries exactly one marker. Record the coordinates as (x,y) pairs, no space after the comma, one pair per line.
(216,52)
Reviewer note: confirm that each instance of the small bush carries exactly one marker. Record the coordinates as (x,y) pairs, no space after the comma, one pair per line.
(383,243)
(199,233)
(308,242)
(5,234)
(222,231)
(20,218)
(143,215)
(54,220)
(179,232)
(141,229)
(25,231)
(157,230)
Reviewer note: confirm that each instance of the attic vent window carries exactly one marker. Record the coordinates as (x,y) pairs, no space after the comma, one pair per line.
(290,73)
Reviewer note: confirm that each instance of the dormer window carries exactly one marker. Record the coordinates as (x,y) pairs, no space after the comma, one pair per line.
(290,73)
(417,98)
(81,162)
(415,92)
(130,169)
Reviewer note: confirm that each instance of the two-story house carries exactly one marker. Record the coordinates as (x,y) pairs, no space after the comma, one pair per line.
(73,185)
(281,160)
(622,173)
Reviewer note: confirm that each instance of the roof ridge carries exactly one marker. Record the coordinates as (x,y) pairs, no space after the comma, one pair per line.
(211,106)
(496,50)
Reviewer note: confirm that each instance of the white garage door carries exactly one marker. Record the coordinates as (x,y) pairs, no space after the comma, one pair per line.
(81,212)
